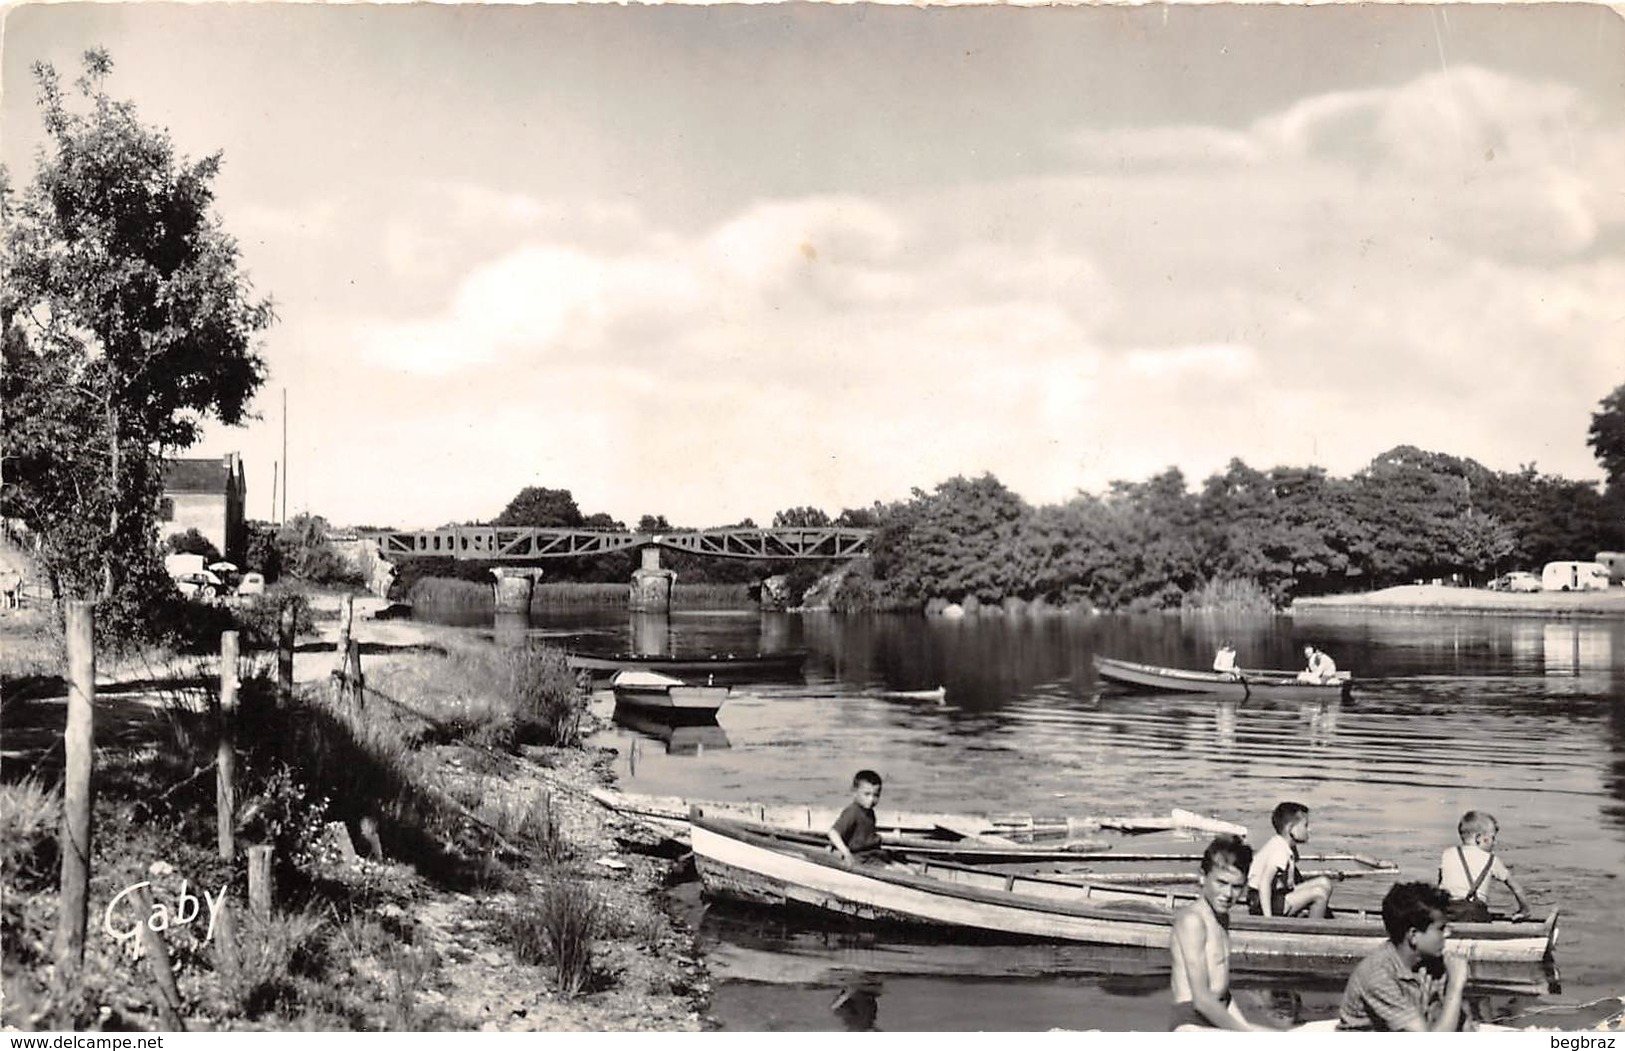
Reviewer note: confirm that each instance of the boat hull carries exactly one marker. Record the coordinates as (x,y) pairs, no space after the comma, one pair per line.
(1271,684)
(693,669)
(739,865)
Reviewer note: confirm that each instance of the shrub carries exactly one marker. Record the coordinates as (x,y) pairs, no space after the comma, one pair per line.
(559,932)
(30,815)
(258,617)
(540,684)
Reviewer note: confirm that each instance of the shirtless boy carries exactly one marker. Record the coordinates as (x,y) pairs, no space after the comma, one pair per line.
(1201,943)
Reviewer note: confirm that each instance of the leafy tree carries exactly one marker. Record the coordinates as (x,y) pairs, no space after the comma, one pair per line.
(127,323)
(1607,435)
(800,518)
(192,542)
(542,509)
(603,521)
(654,524)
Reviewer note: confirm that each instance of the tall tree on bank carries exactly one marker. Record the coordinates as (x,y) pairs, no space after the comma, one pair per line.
(127,324)
(1607,435)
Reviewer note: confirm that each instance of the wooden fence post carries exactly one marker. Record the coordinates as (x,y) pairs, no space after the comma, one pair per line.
(261,890)
(78,743)
(284,654)
(225,763)
(341,664)
(163,972)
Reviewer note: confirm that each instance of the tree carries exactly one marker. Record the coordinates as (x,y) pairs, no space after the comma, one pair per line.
(192,542)
(127,323)
(800,518)
(542,509)
(1607,435)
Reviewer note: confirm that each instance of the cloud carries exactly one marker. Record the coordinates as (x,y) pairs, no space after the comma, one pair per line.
(1306,289)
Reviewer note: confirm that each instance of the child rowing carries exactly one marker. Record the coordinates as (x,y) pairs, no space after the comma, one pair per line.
(1465,870)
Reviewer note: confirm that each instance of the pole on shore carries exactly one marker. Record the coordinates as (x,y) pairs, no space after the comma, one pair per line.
(163,972)
(78,744)
(225,764)
(284,655)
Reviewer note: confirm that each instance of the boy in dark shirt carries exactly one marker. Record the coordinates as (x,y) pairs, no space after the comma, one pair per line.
(853,834)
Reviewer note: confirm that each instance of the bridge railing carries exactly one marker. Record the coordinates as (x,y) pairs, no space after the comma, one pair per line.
(524,543)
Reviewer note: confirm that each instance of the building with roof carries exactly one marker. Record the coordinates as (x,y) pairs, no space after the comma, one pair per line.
(207,495)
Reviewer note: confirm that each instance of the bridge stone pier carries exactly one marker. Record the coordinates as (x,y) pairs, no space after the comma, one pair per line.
(651,584)
(513,588)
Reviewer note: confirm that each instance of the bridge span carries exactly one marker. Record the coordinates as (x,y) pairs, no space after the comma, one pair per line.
(527,543)
(651,583)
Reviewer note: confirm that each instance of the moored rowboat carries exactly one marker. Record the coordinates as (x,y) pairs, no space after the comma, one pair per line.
(670,815)
(758,867)
(1252,683)
(666,694)
(703,668)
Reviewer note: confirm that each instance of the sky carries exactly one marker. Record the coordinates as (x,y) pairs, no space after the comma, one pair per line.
(712,262)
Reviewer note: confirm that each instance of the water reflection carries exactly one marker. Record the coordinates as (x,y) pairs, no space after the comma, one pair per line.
(688,737)
(858,1007)
(1225,723)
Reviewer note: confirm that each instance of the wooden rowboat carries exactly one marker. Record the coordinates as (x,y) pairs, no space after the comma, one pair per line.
(1252,683)
(666,694)
(715,667)
(761,868)
(670,815)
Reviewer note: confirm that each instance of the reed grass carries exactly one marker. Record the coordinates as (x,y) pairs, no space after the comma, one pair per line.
(1229,595)
(467,595)
(559,933)
(30,815)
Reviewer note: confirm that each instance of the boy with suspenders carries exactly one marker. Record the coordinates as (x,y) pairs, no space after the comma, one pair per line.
(1466,869)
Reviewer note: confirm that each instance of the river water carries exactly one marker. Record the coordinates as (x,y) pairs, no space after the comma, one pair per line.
(1524,717)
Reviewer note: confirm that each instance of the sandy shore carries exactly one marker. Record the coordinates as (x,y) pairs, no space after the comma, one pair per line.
(1432,598)
(660,984)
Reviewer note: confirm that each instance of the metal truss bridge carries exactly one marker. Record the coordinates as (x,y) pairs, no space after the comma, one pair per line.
(525,543)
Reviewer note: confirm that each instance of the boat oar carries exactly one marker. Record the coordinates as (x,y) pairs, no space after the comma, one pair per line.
(1188,877)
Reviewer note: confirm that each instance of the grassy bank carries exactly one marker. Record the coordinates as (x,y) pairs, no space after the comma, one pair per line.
(435,858)
(1432,598)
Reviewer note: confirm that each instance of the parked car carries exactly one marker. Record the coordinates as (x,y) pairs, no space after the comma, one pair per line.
(1518,581)
(251,584)
(200,584)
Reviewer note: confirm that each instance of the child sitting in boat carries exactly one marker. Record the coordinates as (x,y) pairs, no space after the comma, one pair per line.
(1273,885)
(1466,869)
(1224,661)
(1321,667)
(854,835)
(1201,943)
(1409,984)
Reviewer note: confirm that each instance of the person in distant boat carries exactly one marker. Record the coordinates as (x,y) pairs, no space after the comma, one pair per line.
(1321,667)
(1466,869)
(1409,984)
(1274,887)
(854,835)
(1224,661)
(1201,943)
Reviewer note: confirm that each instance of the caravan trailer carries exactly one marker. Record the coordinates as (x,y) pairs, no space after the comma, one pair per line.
(1615,561)
(1574,576)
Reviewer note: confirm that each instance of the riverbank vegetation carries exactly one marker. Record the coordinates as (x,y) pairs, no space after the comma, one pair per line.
(448,593)
(409,832)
